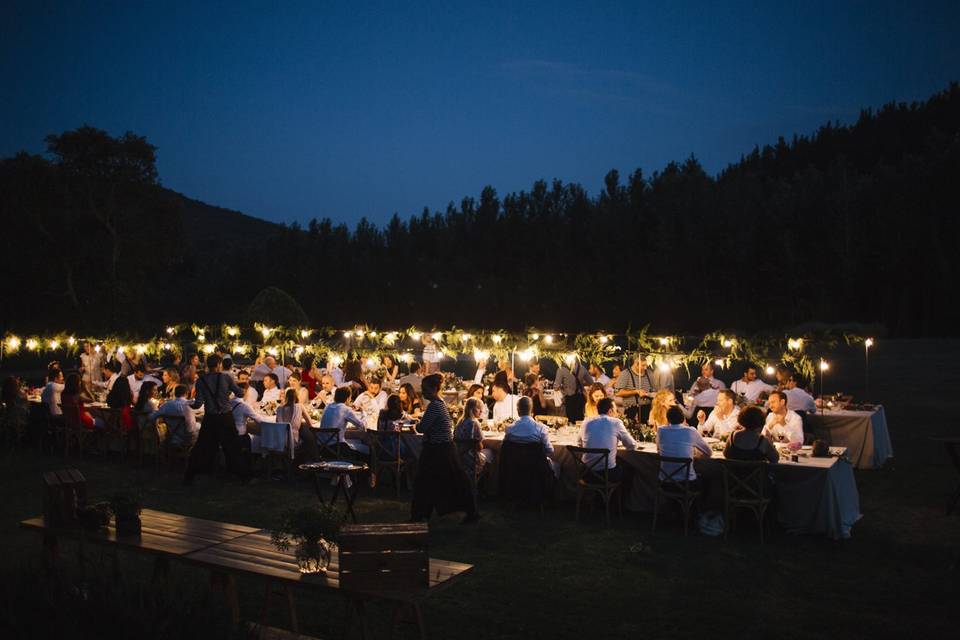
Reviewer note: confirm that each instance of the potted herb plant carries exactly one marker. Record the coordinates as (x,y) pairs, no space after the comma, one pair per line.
(313,530)
(126,511)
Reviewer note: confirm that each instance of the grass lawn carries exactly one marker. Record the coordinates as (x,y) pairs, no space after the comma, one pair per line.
(544,576)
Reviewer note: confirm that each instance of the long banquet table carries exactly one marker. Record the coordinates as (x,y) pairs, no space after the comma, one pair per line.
(863,433)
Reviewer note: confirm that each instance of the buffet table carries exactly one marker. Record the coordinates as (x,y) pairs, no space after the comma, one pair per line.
(863,433)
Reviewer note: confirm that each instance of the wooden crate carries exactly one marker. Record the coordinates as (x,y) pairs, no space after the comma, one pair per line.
(384,557)
(64,492)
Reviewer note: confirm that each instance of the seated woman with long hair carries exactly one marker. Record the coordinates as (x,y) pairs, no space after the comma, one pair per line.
(747,442)
(662,401)
(595,393)
(409,401)
(145,405)
(292,413)
(171,378)
(74,413)
(387,423)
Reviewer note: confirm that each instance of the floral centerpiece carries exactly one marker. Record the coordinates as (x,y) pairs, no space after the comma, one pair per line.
(314,530)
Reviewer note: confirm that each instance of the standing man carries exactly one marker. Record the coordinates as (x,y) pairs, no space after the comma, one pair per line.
(637,385)
(217,428)
(749,387)
(571,381)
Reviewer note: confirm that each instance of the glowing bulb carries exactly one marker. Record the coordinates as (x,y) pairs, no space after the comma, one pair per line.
(71,341)
(54,344)
(868,343)
(604,339)
(795,343)
(373,334)
(824,365)
(97,348)
(407,358)
(535,336)
(171,331)
(336,360)
(718,362)
(201,337)
(265,332)
(32,344)
(13,343)
(416,335)
(390,338)
(436,335)
(299,350)
(209,348)
(727,344)
(770,370)
(371,363)
(526,355)
(465,336)
(347,334)
(548,339)
(142,349)
(359,333)
(273,351)
(497,338)
(664,367)
(480,355)
(232,331)
(166,346)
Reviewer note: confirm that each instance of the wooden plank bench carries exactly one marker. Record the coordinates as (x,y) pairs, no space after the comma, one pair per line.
(229,550)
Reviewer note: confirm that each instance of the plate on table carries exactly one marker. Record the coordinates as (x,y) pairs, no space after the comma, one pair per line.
(339,464)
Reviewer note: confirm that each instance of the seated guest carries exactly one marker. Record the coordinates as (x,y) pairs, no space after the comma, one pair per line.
(260,370)
(526,429)
(747,442)
(353,376)
(595,393)
(723,419)
(798,399)
(409,401)
(533,388)
(390,367)
(469,440)
(325,392)
(179,407)
(271,390)
(750,387)
(371,402)
(678,440)
(310,377)
(138,377)
(170,379)
(604,431)
(245,418)
(662,401)
(335,372)
(782,424)
(190,370)
(705,389)
(50,396)
(338,415)
(413,378)
(388,422)
(73,410)
(292,413)
(598,375)
(475,391)
(249,396)
(146,402)
(280,371)
(111,371)
(119,396)
(505,403)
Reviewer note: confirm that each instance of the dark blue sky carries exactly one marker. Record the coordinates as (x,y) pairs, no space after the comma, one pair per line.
(353,109)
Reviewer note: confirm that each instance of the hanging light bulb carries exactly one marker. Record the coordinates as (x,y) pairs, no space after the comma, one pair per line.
(535,336)
(824,365)
(664,367)
(664,342)
(54,344)
(727,343)
(526,355)
(770,370)
(359,333)
(718,362)
(347,334)
(171,331)
(868,343)
(480,355)
(407,357)
(548,339)
(464,337)
(437,335)
(32,344)
(604,339)
(13,343)
(232,331)
(497,338)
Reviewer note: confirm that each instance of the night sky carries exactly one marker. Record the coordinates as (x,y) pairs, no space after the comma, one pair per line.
(363,109)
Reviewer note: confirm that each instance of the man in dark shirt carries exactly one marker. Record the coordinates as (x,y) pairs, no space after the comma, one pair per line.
(218,428)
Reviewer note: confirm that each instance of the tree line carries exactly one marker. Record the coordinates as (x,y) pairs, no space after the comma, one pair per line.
(853,223)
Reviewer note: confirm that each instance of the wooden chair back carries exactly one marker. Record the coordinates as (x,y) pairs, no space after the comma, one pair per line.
(744,481)
(328,443)
(597,469)
(384,557)
(673,473)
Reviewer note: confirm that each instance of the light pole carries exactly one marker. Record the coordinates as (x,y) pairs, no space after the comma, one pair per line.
(866,359)
(824,366)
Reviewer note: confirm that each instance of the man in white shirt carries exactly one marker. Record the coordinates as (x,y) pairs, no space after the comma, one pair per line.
(109,376)
(92,364)
(604,431)
(749,387)
(338,415)
(413,378)
(797,398)
(179,407)
(782,425)
(325,392)
(271,390)
(704,390)
(371,402)
(677,440)
(722,421)
(50,396)
(250,397)
(526,430)
(137,378)
(505,403)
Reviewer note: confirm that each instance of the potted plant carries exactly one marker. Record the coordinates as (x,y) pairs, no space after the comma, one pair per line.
(126,510)
(314,530)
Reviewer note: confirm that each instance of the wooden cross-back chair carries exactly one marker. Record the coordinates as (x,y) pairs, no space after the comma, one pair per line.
(594,477)
(744,488)
(674,485)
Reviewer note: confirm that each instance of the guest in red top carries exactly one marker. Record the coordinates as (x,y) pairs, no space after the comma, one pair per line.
(310,376)
(74,413)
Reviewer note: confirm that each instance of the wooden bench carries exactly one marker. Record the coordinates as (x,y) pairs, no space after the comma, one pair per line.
(394,554)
